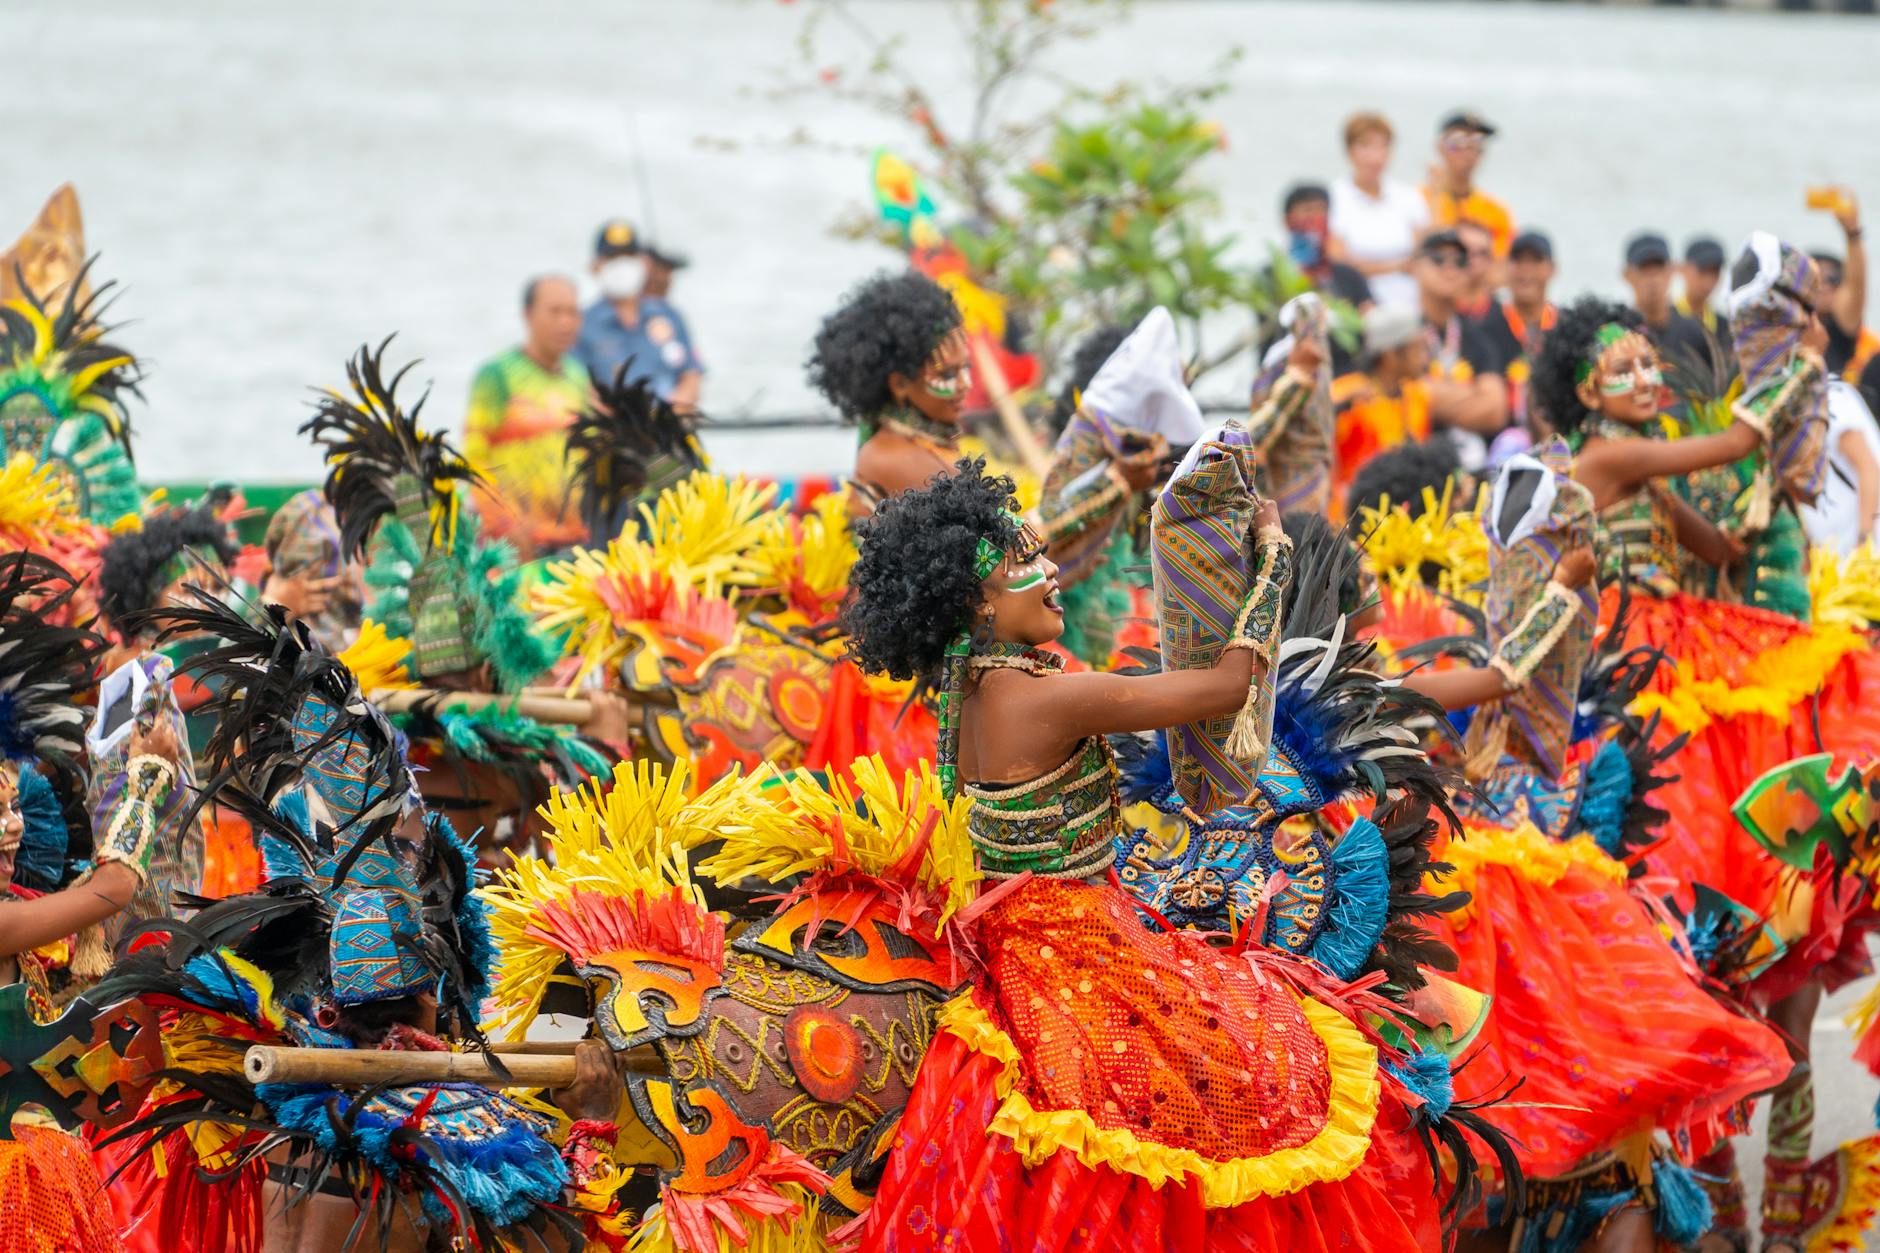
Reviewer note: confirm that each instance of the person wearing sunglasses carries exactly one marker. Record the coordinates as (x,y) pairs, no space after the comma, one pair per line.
(1468,397)
(1452,194)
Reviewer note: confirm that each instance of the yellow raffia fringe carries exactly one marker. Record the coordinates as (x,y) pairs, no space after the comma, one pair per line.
(1860,1200)
(377,660)
(573,601)
(1332,1154)
(35,503)
(807,1232)
(1844,591)
(1860,1017)
(1446,537)
(1524,850)
(807,558)
(631,838)
(708,524)
(1775,682)
(878,819)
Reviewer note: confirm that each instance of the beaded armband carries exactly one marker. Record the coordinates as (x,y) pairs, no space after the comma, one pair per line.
(148,783)
(1283,403)
(1523,649)
(1074,512)
(1258,625)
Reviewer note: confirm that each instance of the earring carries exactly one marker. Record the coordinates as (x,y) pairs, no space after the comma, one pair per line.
(982,634)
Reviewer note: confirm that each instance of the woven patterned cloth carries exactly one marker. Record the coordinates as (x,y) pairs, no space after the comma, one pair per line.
(1524,545)
(1200,551)
(1783,386)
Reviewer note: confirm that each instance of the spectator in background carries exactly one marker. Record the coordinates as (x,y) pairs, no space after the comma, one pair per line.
(1386,401)
(1702,270)
(1306,210)
(1452,195)
(1520,326)
(631,324)
(1376,221)
(1477,303)
(1851,344)
(1468,396)
(660,267)
(521,405)
(1842,518)
(1680,341)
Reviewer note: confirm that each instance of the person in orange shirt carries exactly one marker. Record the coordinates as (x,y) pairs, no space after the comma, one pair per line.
(1386,402)
(1451,192)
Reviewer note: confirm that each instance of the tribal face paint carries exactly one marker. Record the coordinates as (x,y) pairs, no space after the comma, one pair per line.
(1627,377)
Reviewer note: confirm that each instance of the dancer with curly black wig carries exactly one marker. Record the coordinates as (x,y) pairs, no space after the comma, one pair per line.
(895,359)
(1745,683)
(1101,1083)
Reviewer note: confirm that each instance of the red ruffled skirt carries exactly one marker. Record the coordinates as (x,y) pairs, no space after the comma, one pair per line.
(1751,687)
(1606,1029)
(1110,1087)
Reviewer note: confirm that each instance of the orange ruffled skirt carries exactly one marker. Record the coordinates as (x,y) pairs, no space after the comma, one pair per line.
(1606,1029)
(1751,687)
(1108,1087)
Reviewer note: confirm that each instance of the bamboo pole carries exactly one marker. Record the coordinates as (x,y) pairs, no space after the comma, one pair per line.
(540,706)
(1011,417)
(543,1065)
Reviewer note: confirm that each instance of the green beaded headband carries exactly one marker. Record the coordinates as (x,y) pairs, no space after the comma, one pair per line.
(1603,338)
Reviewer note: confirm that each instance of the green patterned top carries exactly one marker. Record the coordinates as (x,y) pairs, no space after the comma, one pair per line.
(1061,825)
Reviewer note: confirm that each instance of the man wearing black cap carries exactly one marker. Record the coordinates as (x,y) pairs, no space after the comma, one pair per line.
(1520,323)
(1468,395)
(1703,269)
(630,324)
(1679,340)
(1452,194)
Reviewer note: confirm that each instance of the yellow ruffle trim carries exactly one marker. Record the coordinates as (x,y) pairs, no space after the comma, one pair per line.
(1524,850)
(1775,682)
(1332,1154)
(1860,1200)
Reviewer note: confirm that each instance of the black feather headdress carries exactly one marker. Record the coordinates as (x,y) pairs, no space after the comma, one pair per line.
(69,340)
(43,667)
(379,460)
(615,445)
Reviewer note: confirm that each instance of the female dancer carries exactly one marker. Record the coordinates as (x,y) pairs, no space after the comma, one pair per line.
(894,358)
(1101,1083)
(1749,685)
(1609,1031)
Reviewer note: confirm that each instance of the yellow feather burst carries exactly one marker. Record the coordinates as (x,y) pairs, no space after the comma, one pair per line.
(1845,591)
(34,501)
(593,599)
(708,524)
(878,821)
(377,660)
(807,559)
(1446,537)
(629,838)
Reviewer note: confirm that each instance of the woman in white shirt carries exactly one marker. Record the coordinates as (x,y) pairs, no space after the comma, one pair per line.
(1375,221)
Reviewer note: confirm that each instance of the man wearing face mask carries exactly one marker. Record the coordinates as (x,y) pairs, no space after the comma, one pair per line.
(628,323)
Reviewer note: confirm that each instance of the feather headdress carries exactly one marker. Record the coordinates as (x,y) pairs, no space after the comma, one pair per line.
(618,443)
(43,667)
(77,384)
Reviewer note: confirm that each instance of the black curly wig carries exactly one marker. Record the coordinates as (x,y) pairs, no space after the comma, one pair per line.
(892,324)
(1402,473)
(1552,391)
(132,565)
(914,587)
(1092,351)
